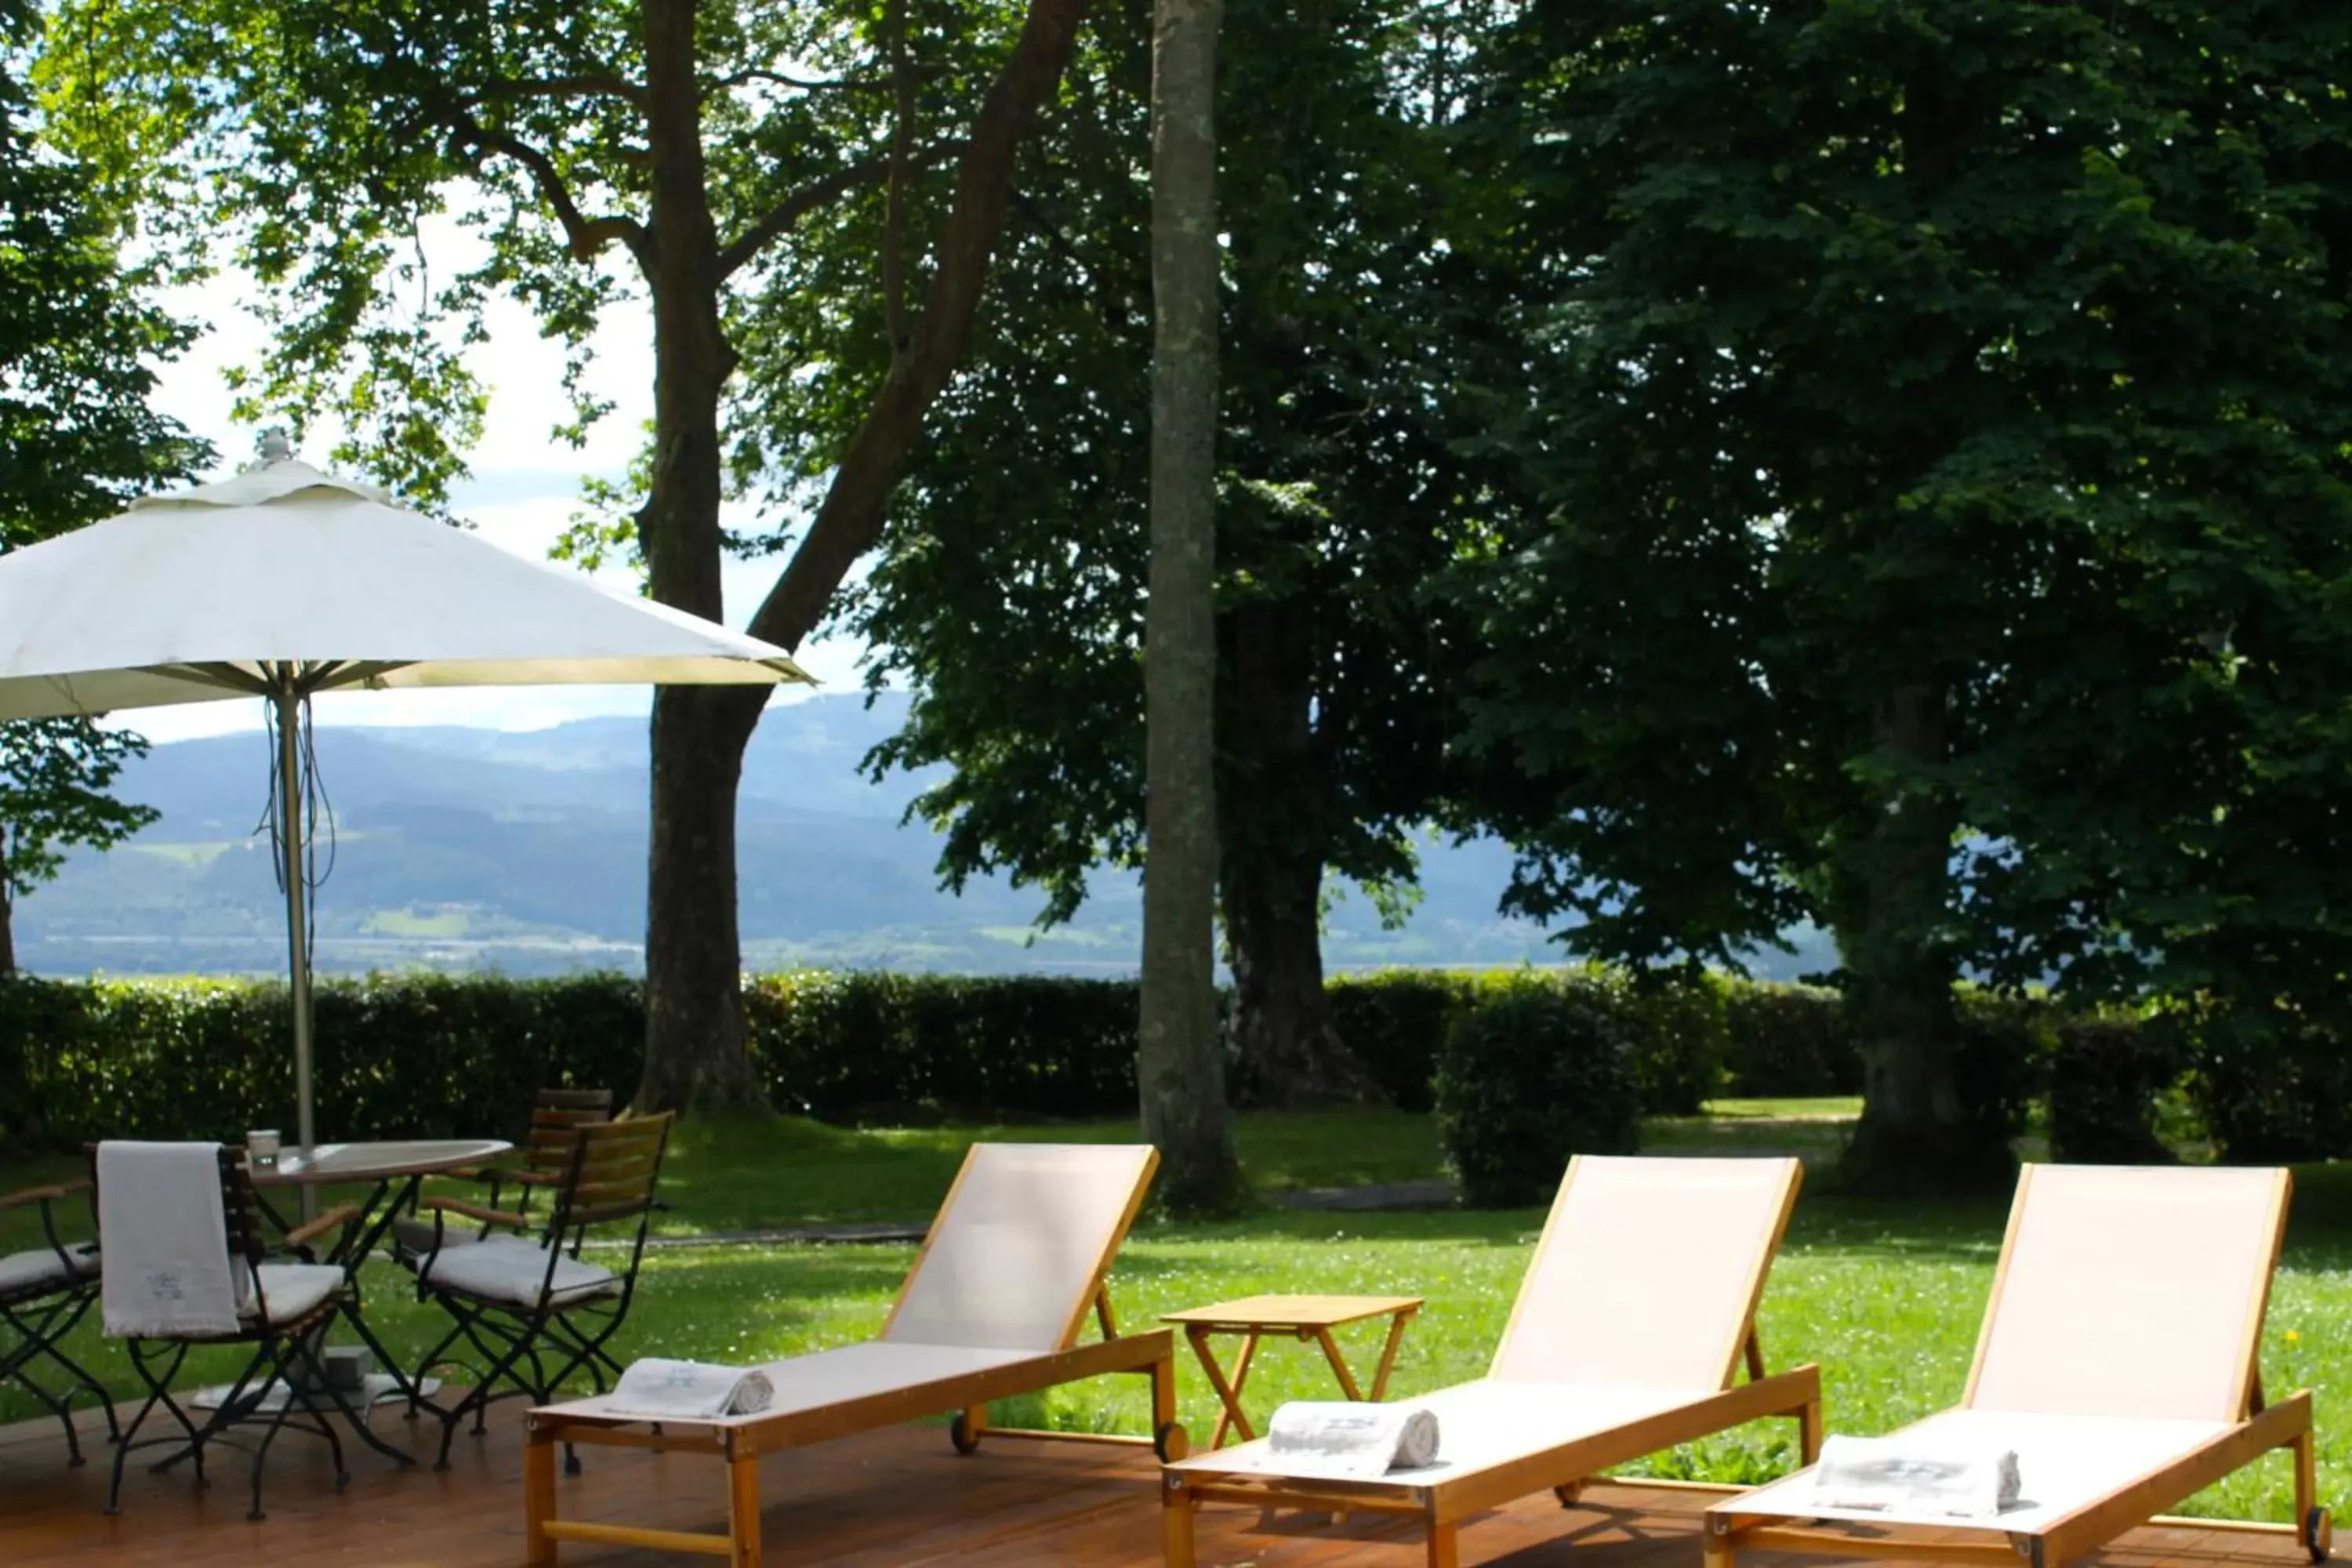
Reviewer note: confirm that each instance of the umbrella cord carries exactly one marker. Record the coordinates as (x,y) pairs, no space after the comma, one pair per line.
(315,809)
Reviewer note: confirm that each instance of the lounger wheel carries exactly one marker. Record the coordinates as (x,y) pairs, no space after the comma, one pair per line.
(961,1434)
(2318,1533)
(1170,1443)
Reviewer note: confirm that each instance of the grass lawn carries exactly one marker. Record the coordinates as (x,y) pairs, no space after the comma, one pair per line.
(1886,1296)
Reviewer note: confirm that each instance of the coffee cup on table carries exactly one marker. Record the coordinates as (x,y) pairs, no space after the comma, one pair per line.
(261,1147)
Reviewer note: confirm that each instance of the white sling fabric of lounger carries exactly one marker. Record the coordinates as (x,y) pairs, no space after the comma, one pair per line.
(2120,1340)
(2129,1292)
(1007,1274)
(1480,1425)
(1011,1261)
(1636,1302)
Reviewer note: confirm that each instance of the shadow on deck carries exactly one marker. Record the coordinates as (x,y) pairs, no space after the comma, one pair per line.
(899,1496)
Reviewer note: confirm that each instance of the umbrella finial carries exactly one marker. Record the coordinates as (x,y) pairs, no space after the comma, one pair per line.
(274,446)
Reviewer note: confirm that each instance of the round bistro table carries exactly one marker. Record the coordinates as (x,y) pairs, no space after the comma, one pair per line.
(391,1169)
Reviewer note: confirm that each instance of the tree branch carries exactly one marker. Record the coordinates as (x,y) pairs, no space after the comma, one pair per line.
(817,193)
(849,522)
(594,84)
(587,236)
(799,84)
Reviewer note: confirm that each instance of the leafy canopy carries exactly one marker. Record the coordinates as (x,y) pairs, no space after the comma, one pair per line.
(1990,358)
(1009,594)
(78,344)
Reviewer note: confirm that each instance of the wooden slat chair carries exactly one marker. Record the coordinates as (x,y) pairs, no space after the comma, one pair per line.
(44,1291)
(522,1305)
(280,1310)
(546,1149)
(2119,1361)
(546,1154)
(1636,1315)
(1014,1265)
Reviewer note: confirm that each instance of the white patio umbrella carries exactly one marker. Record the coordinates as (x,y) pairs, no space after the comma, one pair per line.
(283,582)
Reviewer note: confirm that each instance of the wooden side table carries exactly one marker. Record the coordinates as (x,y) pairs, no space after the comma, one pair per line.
(1301,1317)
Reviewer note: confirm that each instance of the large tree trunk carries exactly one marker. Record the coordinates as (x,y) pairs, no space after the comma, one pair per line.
(1272,828)
(1914,1134)
(694,1012)
(1179,1068)
(1287,1052)
(695,1058)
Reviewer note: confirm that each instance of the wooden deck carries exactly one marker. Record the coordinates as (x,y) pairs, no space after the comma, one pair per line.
(894,1498)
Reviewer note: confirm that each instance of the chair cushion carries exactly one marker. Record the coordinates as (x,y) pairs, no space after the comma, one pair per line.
(39,1271)
(504,1268)
(291,1290)
(412,1237)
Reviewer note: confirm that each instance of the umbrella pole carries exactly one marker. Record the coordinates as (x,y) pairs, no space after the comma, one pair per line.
(298,936)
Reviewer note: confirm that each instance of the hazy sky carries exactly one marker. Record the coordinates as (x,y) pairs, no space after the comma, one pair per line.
(522,493)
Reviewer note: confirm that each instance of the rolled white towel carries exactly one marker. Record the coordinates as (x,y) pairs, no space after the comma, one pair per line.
(682,1388)
(1343,1440)
(1910,1475)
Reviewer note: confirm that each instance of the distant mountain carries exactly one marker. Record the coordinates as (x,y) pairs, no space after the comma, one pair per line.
(526,851)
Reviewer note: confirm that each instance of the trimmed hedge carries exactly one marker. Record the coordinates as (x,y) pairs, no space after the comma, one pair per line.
(2270,1087)
(425,1055)
(909,1048)
(1537,1072)
(1788,1042)
(421,1056)
(2105,1076)
(416,1056)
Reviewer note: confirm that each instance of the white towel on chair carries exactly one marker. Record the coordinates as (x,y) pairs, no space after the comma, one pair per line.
(1962,1481)
(165,1241)
(656,1387)
(1338,1439)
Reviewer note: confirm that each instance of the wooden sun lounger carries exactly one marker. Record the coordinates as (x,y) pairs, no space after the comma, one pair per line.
(2119,1360)
(1636,1313)
(991,1310)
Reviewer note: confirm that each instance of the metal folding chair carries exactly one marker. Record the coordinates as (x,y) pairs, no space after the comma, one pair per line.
(525,1306)
(281,1311)
(44,1291)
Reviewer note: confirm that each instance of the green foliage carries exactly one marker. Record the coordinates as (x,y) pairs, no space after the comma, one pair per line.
(1929,511)
(1007,595)
(78,345)
(2271,1085)
(54,778)
(1676,1030)
(1534,1073)
(427,1056)
(2000,1067)
(2105,1076)
(885,1048)
(1788,1042)
(1394,1022)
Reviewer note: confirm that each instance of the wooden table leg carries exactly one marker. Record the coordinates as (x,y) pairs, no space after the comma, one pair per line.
(1229,1393)
(537,1499)
(1339,1367)
(1388,1354)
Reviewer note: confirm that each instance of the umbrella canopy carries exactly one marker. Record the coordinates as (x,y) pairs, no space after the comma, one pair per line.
(283,575)
(284,582)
